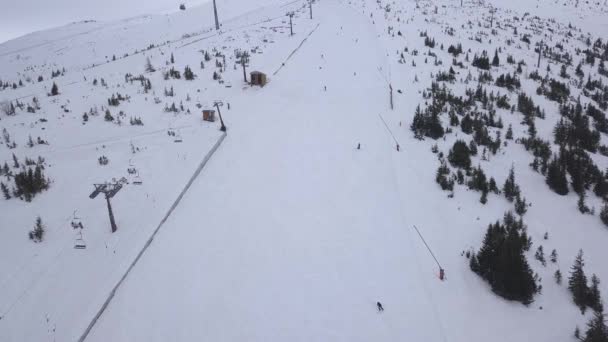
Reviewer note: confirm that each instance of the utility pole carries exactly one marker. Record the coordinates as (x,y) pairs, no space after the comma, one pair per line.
(217,22)
(540,51)
(244,61)
(310,5)
(290,15)
(109,190)
(390,86)
(217,105)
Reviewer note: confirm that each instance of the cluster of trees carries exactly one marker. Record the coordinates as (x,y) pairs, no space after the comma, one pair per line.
(427,122)
(172,73)
(574,130)
(508,81)
(28,182)
(7,84)
(136,121)
(116,99)
(554,90)
(57,73)
(483,61)
(455,50)
(188,74)
(144,81)
(502,263)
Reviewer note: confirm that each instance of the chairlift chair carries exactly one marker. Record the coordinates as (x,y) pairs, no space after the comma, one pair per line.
(137,180)
(178,138)
(79,243)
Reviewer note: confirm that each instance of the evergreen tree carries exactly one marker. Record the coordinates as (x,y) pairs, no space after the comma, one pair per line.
(582,206)
(29,182)
(442,178)
(37,235)
(556,177)
(521,207)
(54,89)
(172,59)
(108,116)
(149,67)
(473,148)
(459,155)
(492,186)
(509,135)
(5,191)
(188,74)
(596,329)
(558,277)
(496,60)
(604,214)
(510,188)
(554,256)
(577,283)
(501,261)
(540,255)
(594,299)
(15,161)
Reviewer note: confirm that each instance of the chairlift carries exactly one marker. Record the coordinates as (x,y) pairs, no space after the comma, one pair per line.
(76,223)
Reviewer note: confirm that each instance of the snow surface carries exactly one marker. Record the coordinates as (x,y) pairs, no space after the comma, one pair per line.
(290,232)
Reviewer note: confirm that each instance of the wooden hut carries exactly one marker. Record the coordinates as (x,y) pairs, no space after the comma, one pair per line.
(258,78)
(209,115)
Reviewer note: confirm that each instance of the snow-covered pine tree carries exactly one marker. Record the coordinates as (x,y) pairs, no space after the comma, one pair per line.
(54,89)
(556,177)
(558,277)
(510,188)
(495,60)
(37,235)
(594,299)
(5,191)
(597,331)
(604,214)
(577,283)
(501,261)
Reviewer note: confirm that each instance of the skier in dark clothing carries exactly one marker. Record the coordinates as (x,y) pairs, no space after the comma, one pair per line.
(380,308)
(359,146)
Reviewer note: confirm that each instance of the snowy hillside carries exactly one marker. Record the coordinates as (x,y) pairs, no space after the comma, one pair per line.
(387,129)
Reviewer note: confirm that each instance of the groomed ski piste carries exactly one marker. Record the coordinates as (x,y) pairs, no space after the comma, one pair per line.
(289,232)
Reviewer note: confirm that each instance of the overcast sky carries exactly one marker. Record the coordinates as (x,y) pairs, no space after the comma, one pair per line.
(19,17)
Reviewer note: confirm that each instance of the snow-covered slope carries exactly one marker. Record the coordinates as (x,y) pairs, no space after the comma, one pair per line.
(290,232)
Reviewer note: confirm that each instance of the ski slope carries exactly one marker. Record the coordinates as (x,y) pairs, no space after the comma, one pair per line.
(290,233)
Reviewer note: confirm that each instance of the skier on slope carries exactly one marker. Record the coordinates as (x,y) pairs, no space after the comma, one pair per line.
(379,305)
